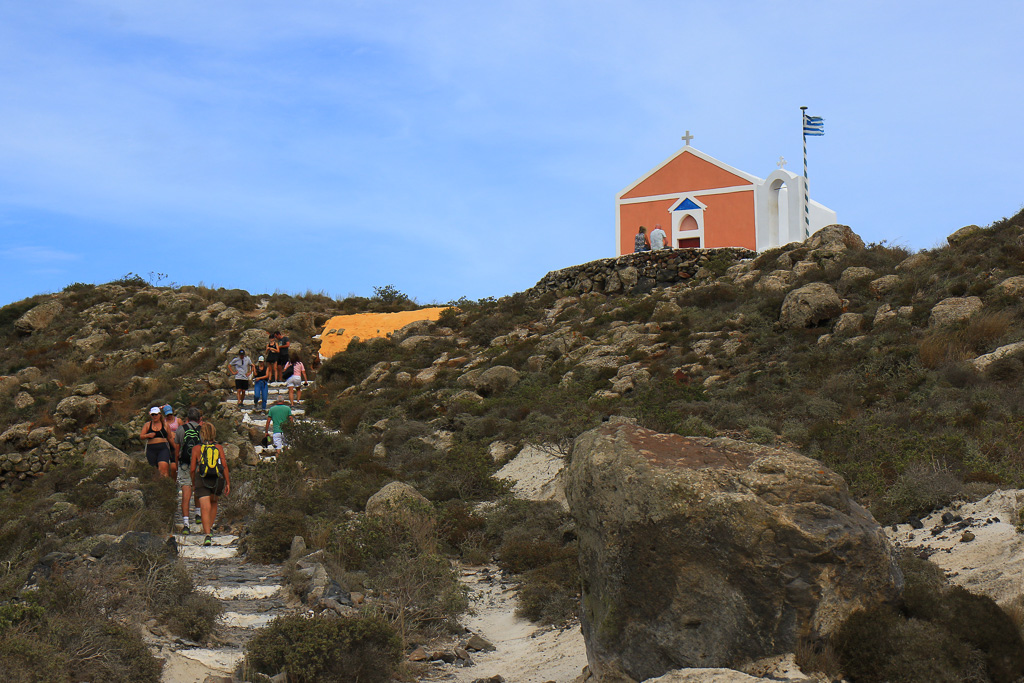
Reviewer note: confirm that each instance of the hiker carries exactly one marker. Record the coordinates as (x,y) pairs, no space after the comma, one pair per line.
(658,237)
(158,442)
(260,378)
(278,414)
(241,366)
(210,477)
(272,356)
(187,437)
(283,350)
(171,423)
(640,242)
(294,380)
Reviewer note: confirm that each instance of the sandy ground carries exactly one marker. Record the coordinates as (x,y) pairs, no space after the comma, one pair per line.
(992,563)
(524,652)
(368,326)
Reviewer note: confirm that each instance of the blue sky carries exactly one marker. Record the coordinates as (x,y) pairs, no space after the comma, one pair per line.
(464,148)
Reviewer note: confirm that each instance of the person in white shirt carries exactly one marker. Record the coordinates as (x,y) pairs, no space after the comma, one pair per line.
(658,238)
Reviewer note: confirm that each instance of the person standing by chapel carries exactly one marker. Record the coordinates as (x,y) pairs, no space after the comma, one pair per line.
(640,242)
(658,237)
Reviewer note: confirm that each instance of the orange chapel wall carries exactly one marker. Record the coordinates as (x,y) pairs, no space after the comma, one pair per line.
(728,220)
(685,171)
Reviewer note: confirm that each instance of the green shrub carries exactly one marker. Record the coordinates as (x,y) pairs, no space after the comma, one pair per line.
(270,537)
(918,491)
(942,633)
(195,616)
(324,650)
(423,592)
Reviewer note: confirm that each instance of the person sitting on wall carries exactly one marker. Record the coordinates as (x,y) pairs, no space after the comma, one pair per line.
(658,237)
(640,242)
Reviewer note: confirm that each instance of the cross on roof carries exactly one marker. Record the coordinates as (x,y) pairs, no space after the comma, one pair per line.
(782,162)
(687,137)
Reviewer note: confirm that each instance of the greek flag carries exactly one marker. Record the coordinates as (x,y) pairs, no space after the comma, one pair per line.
(814,125)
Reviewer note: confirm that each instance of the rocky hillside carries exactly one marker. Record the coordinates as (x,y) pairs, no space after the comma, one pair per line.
(899,371)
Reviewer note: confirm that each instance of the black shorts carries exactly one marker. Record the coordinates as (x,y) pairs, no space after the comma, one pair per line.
(241,384)
(271,358)
(203,488)
(157,453)
(282,360)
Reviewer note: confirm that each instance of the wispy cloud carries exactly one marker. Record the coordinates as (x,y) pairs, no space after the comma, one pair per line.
(38,256)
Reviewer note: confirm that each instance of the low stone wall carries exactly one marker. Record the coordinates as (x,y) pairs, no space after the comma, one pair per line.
(636,273)
(37,461)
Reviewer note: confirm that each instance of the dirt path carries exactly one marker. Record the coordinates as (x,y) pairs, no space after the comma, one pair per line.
(524,652)
(251,594)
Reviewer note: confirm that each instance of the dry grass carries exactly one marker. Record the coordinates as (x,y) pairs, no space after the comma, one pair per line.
(954,345)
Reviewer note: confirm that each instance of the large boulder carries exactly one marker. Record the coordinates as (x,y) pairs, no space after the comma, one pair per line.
(700,552)
(38,318)
(1012,286)
(102,453)
(77,411)
(395,494)
(963,234)
(953,310)
(496,380)
(810,305)
(833,240)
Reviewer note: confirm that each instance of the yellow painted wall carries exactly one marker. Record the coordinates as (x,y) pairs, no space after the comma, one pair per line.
(368,326)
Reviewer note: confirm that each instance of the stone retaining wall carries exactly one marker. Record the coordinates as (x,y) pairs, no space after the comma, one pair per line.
(37,461)
(637,273)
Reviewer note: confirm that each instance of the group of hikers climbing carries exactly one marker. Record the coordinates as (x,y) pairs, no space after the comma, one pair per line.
(187,450)
(279,364)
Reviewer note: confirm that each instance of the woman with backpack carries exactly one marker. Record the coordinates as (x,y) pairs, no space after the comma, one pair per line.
(210,478)
(159,442)
(295,374)
(260,379)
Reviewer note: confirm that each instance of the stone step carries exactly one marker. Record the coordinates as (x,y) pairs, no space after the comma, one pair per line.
(197,539)
(246,620)
(199,552)
(222,660)
(256,592)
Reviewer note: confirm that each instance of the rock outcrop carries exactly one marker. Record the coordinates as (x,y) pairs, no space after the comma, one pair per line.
(953,310)
(702,552)
(810,305)
(394,494)
(38,318)
(102,453)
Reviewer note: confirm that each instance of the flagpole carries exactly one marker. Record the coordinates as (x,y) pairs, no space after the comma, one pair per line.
(807,200)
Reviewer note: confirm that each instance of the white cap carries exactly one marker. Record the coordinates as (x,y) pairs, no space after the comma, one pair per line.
(154,410)
(260,359)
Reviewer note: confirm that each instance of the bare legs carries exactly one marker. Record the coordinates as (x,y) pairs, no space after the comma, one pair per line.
(208,512)
(186,498)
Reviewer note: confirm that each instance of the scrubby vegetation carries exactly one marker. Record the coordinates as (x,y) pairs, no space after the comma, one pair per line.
(891,402)
(319,649)
(938,633)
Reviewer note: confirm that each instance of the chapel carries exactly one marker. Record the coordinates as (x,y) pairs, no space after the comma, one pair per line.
(700,201)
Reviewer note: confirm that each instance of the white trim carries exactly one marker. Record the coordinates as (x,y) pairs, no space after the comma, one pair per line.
(754,180)
(690,193)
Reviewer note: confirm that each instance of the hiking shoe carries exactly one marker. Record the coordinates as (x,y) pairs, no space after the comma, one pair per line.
(208,541)
(185,530)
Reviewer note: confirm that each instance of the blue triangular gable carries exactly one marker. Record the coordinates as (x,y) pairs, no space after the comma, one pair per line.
(687,205)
